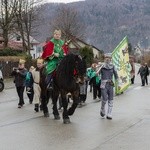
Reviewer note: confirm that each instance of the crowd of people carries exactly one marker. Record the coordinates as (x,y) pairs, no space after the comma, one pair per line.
(99,80)
(99,77)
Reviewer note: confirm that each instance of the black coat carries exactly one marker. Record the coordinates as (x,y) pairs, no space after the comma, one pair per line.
(142,71)
(20,77)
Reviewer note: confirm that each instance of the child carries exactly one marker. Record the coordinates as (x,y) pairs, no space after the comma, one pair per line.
(29,85)
(83,92)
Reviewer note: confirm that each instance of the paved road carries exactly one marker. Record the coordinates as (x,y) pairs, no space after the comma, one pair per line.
(129,130)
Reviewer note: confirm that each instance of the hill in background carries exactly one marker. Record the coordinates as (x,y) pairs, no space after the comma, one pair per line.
(107,21)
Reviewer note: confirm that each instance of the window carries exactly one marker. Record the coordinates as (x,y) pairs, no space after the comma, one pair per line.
(18,37)
(39,49)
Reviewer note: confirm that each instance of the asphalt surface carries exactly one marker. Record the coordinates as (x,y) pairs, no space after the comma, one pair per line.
(128,130)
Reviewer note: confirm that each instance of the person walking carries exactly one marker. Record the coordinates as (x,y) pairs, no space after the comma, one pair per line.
(29,85)
(89,70)
(95,81)
(36,84)
(83,92)
(147,73)
(107,72)
(19,80)
(143,73)
(132,71)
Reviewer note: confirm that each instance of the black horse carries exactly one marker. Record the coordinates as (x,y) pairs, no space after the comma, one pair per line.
(68,76)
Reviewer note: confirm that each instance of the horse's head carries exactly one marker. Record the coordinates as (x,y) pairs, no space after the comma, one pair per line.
(71,70)
(80,69)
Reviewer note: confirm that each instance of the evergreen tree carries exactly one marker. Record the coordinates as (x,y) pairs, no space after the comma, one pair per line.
(88,53)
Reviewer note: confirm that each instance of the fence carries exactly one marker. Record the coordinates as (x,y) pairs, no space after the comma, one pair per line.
(8,65)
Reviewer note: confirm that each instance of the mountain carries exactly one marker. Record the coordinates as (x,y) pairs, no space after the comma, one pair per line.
(106,21)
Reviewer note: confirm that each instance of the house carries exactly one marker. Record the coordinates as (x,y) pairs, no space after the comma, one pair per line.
(77,44)
(16,40)
(12,44)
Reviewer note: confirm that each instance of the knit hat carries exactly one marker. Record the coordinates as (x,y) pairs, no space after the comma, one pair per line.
(57,32)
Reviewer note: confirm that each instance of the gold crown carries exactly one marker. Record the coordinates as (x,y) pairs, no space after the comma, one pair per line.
(22,61)
(40,61)
(57,32)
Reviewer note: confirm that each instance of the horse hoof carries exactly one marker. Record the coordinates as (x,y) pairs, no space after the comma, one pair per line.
(56,117)
(66,121)
(79,105)
(46,114)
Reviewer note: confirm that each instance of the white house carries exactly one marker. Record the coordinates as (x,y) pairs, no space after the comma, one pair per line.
(35,50)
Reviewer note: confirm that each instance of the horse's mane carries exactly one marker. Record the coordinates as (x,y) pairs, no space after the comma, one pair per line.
(65,70)
(66,67)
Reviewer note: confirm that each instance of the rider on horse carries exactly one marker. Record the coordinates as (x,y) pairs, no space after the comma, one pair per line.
(54,50)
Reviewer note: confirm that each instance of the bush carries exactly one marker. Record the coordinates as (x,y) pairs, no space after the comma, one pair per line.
(11,52)
(8,52)
(88,53)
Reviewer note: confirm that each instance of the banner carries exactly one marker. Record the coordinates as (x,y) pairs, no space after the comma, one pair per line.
(120,58)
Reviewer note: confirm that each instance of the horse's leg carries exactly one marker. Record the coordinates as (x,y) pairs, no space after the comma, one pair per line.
(55,95)
(66,119)
(44,97)
(44,100)
(74,105)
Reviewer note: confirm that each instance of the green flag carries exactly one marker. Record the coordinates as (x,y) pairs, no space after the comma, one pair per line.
(120,58)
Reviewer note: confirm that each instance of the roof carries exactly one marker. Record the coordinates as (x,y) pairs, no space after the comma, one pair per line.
(75,42)
(13,45)
(33,41)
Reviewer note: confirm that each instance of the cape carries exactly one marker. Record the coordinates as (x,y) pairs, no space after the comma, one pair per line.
(48,50)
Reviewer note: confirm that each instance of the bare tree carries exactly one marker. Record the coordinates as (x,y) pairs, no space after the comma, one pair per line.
(68,20)
(26,16)
(7,11)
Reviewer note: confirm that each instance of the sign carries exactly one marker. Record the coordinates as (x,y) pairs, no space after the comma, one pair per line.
(120,58)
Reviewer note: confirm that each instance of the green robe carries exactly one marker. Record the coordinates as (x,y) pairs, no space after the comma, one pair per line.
(53,61)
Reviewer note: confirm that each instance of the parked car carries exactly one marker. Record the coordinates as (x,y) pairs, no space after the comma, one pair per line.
(1,81)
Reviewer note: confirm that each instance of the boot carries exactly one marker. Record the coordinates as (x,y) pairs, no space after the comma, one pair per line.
(46,114)
(109,113)
(36,108)
(102,111)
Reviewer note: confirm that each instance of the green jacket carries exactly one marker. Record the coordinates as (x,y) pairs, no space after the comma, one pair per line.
(91,74)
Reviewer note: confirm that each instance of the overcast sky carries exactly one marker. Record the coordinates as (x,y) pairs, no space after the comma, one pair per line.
(62,1)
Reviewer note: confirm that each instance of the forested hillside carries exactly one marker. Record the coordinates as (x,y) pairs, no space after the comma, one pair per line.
(106,21)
